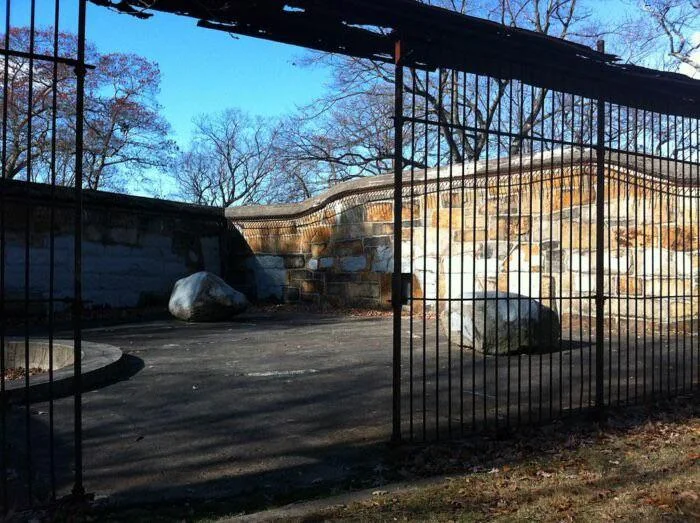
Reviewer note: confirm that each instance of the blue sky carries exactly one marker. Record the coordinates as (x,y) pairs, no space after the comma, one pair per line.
(202,70)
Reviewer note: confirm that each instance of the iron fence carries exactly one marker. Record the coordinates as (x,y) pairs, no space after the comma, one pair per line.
(546,232)
(551,241)
(43,77)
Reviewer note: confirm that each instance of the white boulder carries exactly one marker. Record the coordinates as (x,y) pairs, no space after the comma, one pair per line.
(204,296)
(495,322)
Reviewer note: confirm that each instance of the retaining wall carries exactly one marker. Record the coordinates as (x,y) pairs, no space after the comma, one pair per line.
(134,249)
(528,227)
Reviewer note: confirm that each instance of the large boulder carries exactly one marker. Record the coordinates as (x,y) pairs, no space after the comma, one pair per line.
(204,296)
(496,322)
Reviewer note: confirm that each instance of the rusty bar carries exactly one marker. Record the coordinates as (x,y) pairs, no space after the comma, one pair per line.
(396,277)
(600,246)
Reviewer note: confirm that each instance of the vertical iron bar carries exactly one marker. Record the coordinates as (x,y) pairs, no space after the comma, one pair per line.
(540,218)
(560,246)
(561,265)
(449,259)
(608,199)
(52,244)
(80,71)
(635,134)
(440,103)
(645,192)
(411,250)
(627,257)
(521,121)
(3,397)
(462,241)
(508,262)
(496,254)
(687,203)
(474,216)
(617,261)
(600,218)
(396,277)
(424,376)
(486,237)
(27,251)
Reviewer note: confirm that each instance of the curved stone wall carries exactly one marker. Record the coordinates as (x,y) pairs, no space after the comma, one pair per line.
(527,226)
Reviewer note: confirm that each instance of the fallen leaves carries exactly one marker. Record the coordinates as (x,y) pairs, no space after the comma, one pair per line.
(641,467)
(17,373)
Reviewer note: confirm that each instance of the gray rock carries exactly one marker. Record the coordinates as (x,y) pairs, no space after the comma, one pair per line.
(204,296)
(496,322)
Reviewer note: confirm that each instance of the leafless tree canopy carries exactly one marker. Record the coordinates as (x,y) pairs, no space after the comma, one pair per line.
(231,160)
(349,132)
(665,33)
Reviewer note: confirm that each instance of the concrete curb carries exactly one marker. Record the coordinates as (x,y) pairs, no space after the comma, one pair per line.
(101,363)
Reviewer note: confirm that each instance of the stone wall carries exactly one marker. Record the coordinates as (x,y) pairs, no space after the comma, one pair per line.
(528,228)
(134,249)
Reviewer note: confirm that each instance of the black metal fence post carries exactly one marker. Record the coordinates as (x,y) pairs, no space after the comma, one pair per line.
(80,71)
(396,301)
(600,246)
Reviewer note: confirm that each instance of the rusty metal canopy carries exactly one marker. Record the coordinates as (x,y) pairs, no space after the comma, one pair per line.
(433,37)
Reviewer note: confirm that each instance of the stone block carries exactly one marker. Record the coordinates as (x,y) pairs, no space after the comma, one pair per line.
(316,234)
(379,212)
(630,237)
(470,235)
(378,241)
(336,289)
(577,235)
(343,277)
(353,263)
(449,199)
(326,263)
(311,287)
(298,275)
(351,214)
(511,227)
(678,237)
(534,285)
(411,211)
(449,218)
(380,229)
(294,261)
(525,257)
(318,249)
(291,294)
(654,261)
(492,249)
(658,310)
(362,290)
(385,289)
(660,286)
(382,258)
(348,232)
(270,283)
(630,285)
(312,264)
(270,262)
(347,248)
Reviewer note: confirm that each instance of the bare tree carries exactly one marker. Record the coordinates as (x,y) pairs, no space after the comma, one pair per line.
(349,132)
(230,161)
(665,34)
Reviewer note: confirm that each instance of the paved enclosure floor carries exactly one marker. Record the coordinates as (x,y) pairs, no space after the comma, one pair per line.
(265,402)
(275,402)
